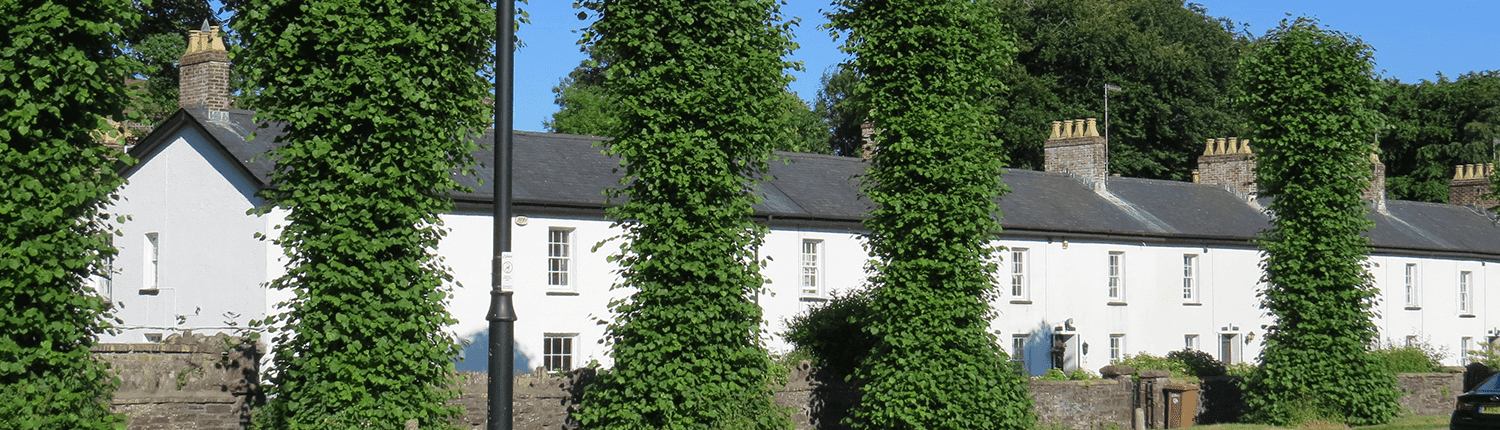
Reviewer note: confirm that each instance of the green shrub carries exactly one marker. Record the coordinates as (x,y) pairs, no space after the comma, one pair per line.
(1416,358)
(833,333)
(1182,364)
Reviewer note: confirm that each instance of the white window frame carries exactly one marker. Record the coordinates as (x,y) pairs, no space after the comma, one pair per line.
(554,360)
(1465,293)
(561,266)
(1117,276)
(1190,279)
(1018,347)
(1190,342)
(1116,348)
(810,274)
(1464,345)
(152,257)
(1020,273)
(1413,286)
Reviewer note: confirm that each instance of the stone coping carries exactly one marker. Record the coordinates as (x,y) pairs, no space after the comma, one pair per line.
(141,398)
(153,347)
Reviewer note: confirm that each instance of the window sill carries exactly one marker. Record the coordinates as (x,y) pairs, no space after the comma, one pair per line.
(1020,302)
(1413,308)
(562,293)
(1192,303)
(149,291)
(813,299)
(1466,315)
(1117,303)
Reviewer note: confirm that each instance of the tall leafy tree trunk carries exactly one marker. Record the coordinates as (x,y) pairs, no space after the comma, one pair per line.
(380,101)
(928,67)
(1308,93)
(699,87)
(61,73)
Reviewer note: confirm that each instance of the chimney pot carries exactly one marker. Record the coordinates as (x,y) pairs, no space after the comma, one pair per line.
(1091,131)
(1234,146)
(1245,146)
(1067,128)
(1458,172)
(1195,176)
(1208,148)
(1056,130)
(1219,145)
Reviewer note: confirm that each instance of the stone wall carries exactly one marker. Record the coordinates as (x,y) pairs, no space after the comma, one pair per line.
(186,382)
(1236,171)
(1430,393)
(197,382)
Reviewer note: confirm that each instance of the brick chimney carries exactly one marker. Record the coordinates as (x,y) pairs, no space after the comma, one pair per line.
(1471,182)
(1075,147)
(204,71)
(1228,162)
(1376,192)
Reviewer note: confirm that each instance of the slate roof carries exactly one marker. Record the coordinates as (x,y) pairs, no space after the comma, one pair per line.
(570,171)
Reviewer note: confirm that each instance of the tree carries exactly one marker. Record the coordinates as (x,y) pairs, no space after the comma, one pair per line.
(934,179)
(842,114)
(61,74)
(1174,62)
(698,85)
(1434,125)
(1308,94)
(156,42)
(586,105)
(379,101)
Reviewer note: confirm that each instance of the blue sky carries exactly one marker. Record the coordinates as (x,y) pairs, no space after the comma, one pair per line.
(1413,40)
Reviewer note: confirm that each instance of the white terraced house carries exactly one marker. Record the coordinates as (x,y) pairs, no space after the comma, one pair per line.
(1094,267)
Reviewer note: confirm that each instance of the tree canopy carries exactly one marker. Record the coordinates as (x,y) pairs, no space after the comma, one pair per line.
(935,67)
(61,74)
(380,101)
(697,88)
(1435,125)
(1309,95)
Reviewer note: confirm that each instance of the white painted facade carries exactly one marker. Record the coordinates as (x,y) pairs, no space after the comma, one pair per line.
(210,270)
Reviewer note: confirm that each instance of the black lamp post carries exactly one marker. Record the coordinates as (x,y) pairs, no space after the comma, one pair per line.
(502,314)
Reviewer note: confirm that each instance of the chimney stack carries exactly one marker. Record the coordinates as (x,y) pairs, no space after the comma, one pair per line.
(204,71)
(1470,184)
(1228,162)
(1376,192)
(1075,147)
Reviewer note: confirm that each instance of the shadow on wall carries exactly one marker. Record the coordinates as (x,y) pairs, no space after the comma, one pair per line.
(1048,347)
(475,356)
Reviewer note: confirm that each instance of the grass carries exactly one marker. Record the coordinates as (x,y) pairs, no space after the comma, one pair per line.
(1404,422)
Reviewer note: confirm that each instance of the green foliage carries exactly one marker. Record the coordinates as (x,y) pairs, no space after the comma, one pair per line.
(935,176)
(1307,93)
(587,104)
(1434,126)
(1055,374)
(841,113)
(379,100)
(1182,364)
(1488,354)
(1419,358)
(1173,61)
(61,73)
(833,333)
(698,85)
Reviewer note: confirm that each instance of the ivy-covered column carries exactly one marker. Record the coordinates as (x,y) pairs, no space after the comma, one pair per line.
(699,87)
(61,75)
(380,101)
(927,68)
(1308,93)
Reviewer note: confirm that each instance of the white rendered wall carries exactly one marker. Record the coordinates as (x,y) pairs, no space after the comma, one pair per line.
(1434,317)
(212,272)
(210,265)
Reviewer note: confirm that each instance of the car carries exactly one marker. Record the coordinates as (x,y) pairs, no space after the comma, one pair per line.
(1478,408)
